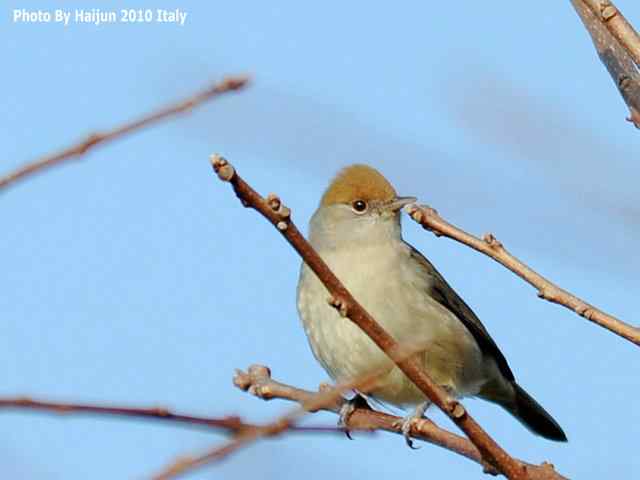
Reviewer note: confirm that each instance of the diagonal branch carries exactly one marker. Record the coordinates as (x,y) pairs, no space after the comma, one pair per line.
(617,25)
(227,85)
(618,46)
(490,246)
(280,216)
(258,382)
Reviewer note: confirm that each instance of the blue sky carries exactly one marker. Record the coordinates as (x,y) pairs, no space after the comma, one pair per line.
(134,276)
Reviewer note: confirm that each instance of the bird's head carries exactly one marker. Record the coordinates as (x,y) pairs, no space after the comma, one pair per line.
(360,205)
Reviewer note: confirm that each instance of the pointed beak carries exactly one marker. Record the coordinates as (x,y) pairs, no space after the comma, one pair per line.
(399,202)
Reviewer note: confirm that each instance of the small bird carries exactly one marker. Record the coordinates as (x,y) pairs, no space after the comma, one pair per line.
(357,232)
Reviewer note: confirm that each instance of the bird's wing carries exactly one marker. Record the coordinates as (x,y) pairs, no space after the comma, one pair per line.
(446,296)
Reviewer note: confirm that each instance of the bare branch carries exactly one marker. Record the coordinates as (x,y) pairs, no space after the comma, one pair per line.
(258,382)
(618,46)
(617,25)
(317,401)
(228,424)
(79,149)
(280,216)
(490,246)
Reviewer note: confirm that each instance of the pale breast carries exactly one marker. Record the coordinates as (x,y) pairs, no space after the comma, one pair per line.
(394,293)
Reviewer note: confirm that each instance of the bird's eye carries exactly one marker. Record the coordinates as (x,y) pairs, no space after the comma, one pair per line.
(359,206)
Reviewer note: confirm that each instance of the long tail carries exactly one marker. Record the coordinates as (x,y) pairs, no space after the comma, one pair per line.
(531,414)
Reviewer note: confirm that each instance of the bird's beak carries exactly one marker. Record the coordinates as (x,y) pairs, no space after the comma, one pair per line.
(399,202)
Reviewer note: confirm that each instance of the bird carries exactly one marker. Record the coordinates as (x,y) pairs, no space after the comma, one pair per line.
(357,231)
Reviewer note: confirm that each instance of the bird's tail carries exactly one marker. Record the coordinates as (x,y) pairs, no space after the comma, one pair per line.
(531,414)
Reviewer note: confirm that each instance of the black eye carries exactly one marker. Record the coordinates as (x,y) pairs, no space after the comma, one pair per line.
(359,206)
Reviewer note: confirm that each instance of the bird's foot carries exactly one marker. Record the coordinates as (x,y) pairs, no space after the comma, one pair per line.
(407,422)
(347,408)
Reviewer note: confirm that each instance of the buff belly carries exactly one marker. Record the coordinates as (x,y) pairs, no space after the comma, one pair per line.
(419,323)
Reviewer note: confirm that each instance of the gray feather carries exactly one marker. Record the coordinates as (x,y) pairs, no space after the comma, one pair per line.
(447,297)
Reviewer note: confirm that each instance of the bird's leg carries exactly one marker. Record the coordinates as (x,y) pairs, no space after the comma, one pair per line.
(347,408)
(407,422)
(418,414)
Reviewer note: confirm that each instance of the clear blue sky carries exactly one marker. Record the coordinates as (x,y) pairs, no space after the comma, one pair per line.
(134,276)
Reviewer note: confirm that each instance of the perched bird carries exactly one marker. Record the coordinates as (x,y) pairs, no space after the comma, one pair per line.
(357,232)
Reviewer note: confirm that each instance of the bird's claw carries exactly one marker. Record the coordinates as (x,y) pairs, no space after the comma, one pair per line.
(405,428)
(345,412)
(407,422)
(347,408)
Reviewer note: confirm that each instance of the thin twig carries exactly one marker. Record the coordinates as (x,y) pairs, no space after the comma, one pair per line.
(490,246)
(228,424)
(618,47)
(317,401)
(280,216)
(79,149)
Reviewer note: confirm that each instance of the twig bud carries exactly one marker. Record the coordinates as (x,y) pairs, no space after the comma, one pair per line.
(340,305)
(607,11)
(223,168)
(492,241)
(274,202)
